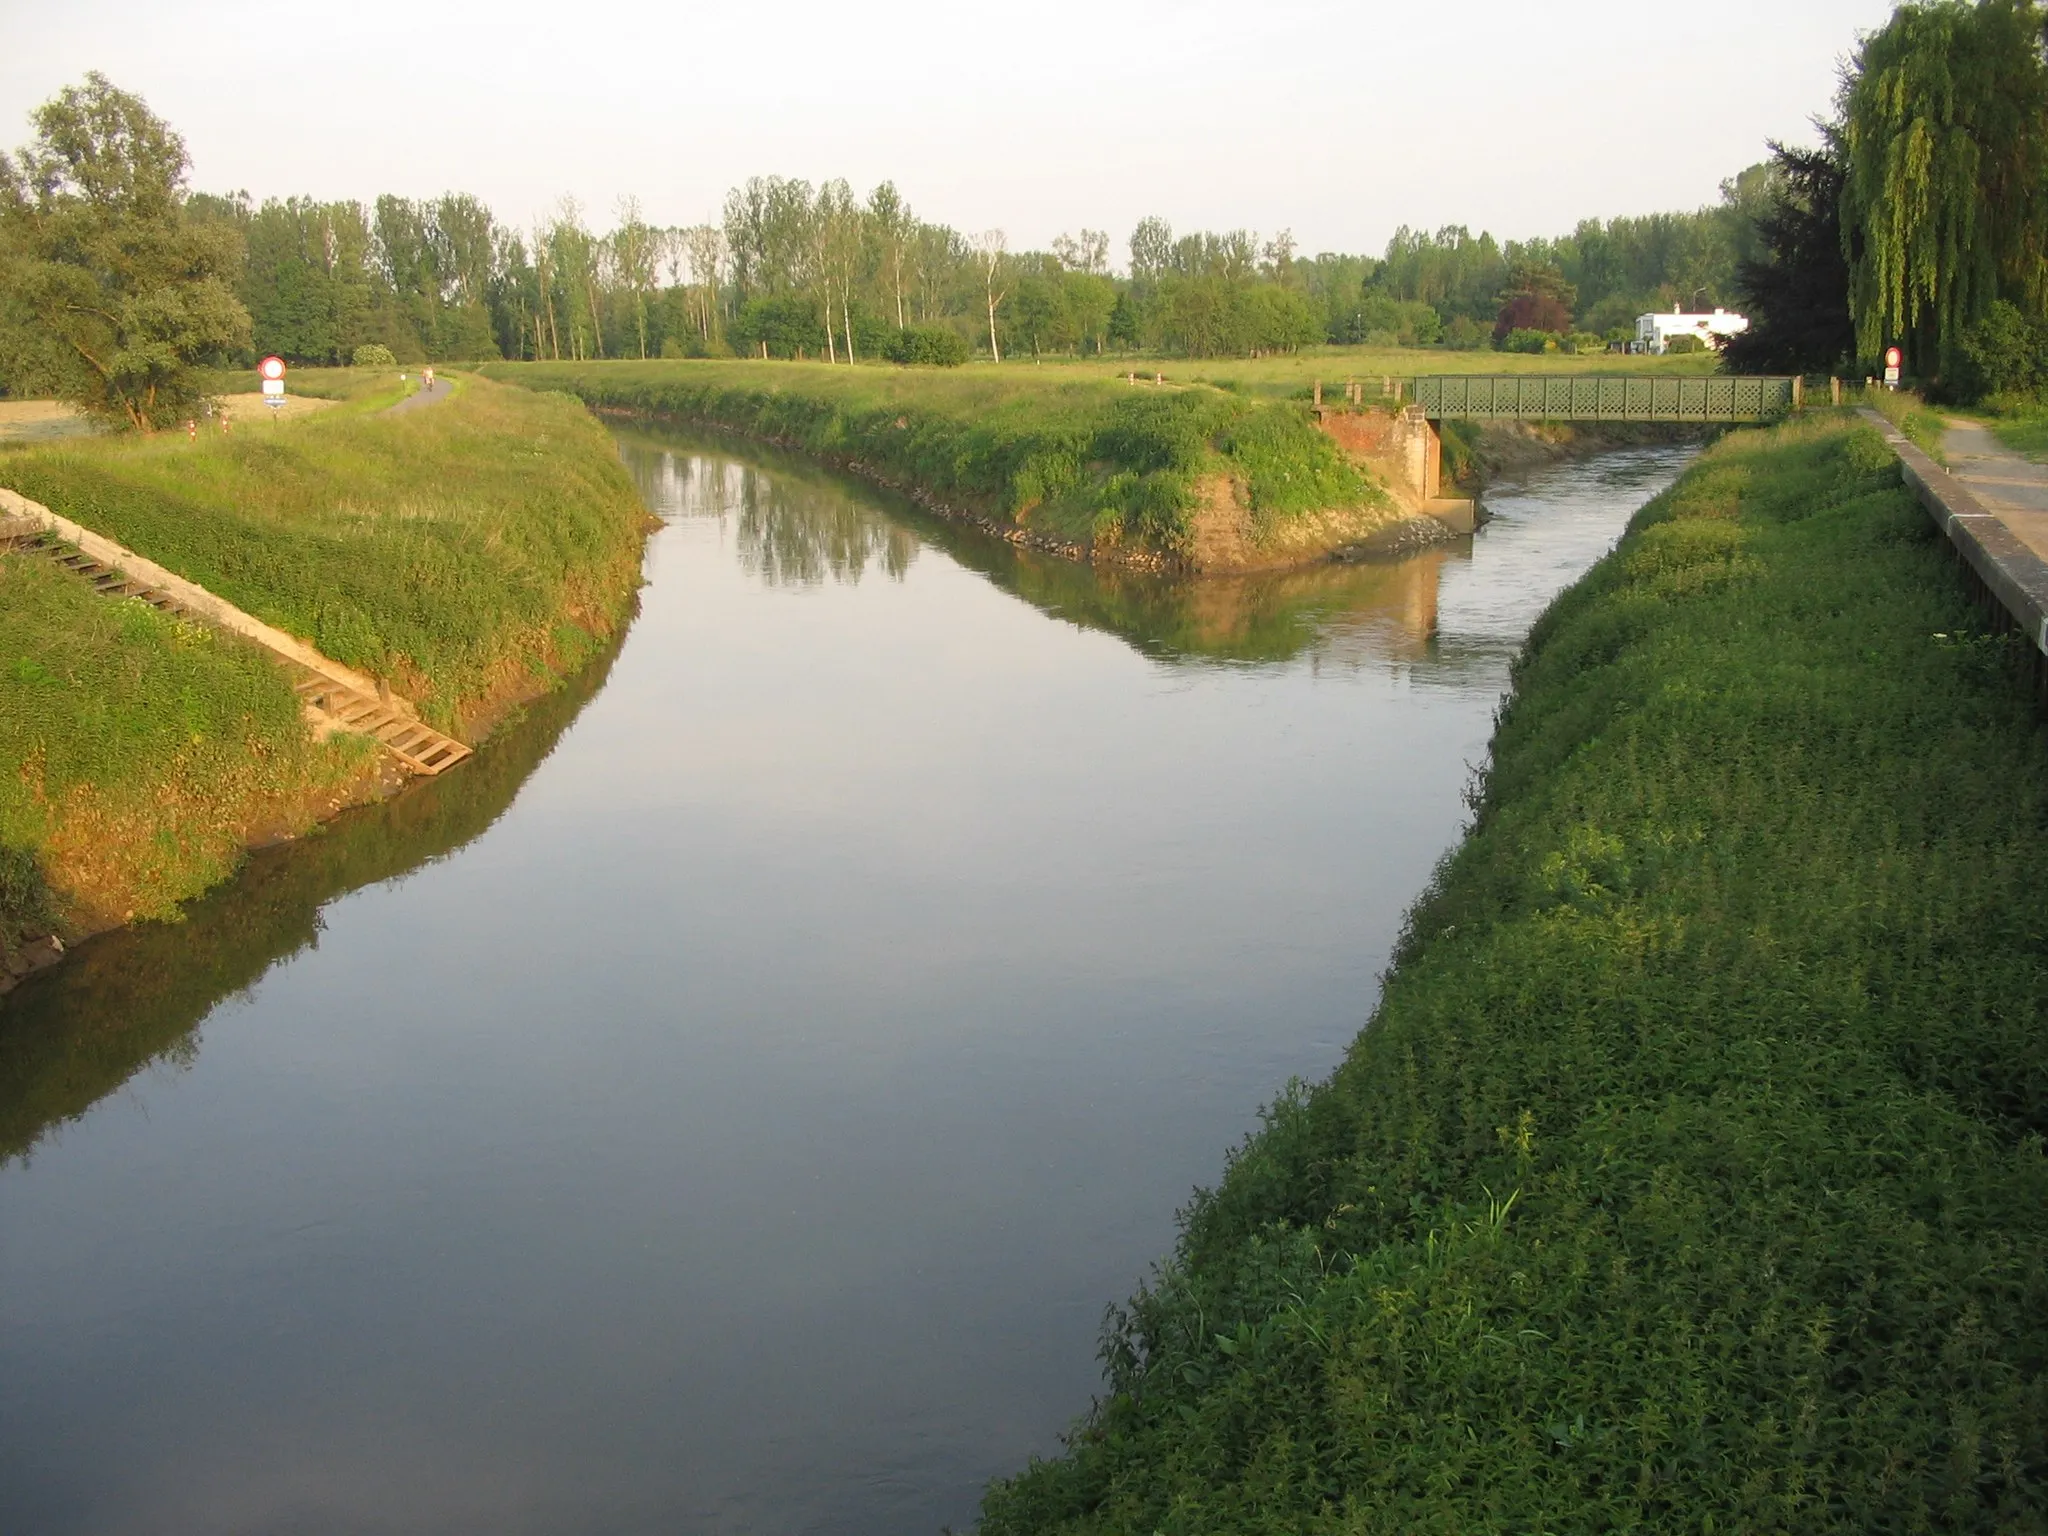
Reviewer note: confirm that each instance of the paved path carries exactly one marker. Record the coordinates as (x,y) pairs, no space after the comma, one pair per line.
(433,394)
(2012,487)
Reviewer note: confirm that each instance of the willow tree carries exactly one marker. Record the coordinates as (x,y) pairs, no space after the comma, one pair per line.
(1944,204)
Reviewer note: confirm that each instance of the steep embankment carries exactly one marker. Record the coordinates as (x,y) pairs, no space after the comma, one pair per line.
(471,556)
(1690,1175)
(1190,477)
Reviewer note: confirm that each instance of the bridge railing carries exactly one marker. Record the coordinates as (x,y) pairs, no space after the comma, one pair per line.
(1593,397)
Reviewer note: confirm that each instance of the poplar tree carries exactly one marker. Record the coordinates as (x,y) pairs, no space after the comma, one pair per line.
(1944,206)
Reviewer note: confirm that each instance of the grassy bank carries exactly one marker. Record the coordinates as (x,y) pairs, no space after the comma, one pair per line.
(1185,474)
(472,554)
(466,553)
(1690,1176)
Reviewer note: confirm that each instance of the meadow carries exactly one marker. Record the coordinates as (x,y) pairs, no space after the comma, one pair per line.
(1689,1175)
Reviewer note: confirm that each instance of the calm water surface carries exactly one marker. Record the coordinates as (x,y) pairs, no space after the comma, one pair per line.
(729,1102)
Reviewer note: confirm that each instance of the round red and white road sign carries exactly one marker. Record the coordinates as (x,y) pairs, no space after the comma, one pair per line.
(271,367)
(1893,357)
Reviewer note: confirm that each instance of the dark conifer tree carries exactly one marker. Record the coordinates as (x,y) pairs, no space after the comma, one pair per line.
(1797,296)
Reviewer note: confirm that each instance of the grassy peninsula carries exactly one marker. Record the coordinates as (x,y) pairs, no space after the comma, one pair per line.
(1181,474)
(1690,1175)
(471,554)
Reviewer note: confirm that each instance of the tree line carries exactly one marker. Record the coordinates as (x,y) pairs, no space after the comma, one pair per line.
(1920,221)
(794,269)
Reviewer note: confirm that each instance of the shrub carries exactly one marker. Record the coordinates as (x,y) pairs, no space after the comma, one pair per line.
(2007,353)
(375,355)
(1464,334)
(1680,345)
(935,346)
(1528,341)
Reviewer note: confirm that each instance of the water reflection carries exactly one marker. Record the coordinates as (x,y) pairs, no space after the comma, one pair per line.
(133,999)
(792,529)
(797,525)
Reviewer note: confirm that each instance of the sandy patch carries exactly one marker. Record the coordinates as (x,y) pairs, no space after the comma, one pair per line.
(32,421)
(247,408)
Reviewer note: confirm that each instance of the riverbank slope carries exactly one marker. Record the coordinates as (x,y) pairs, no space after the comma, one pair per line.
(470,556)
(1158,476)
(1690,1172)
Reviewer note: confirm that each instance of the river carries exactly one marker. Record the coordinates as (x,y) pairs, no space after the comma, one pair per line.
(728,1103)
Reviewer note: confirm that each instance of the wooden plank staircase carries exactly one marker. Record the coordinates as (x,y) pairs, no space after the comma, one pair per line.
(340,705)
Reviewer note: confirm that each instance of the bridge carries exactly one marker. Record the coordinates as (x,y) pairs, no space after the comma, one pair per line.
(1604,397)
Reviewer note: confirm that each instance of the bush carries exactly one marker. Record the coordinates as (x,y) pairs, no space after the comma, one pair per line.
(934,346)
(1537,342)
(1584,341)
(375,355)
(1678,346)
(2007,353)
(1464,334)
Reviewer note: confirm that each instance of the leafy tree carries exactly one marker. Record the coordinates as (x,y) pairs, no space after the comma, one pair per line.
(109,293)
(1537,298)
(1945,196)
(2007,352)
(1795,291)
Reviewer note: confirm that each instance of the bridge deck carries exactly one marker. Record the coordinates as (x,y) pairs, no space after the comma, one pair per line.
(1602,397)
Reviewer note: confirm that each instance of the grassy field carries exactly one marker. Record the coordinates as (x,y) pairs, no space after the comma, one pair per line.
(1075,456)
(1690,1175)
(472,553)
(1295,375)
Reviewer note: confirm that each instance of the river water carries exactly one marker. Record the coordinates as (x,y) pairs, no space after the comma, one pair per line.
(728,1103)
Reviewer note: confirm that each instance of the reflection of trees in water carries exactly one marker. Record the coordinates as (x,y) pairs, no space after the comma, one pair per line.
(793,530)
(797,524)
(134,998)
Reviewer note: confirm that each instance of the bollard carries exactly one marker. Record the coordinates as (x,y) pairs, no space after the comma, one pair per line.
(1834,390)
(1319,394)
(1158,378)
(192,430)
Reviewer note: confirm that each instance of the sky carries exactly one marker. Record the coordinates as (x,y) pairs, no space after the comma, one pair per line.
(1337,121)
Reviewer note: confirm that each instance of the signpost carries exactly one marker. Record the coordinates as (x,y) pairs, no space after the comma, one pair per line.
(272,369)
(1893,357)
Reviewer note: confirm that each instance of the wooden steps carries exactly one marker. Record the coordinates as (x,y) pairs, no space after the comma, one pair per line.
(413,742)
(417,745)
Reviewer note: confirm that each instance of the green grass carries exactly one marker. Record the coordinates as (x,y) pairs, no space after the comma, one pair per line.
(1690,1174)
(1923,427)
(468,552)
(1072,453)
(141,750)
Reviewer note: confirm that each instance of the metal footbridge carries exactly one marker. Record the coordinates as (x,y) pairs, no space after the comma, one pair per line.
(1603,397)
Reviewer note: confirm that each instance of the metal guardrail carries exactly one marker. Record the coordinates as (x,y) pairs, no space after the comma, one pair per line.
(1592,397)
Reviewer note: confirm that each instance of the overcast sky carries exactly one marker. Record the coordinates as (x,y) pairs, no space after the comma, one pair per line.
(1337,120)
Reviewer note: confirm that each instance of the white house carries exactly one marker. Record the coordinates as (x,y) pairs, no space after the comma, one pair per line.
(1654,332)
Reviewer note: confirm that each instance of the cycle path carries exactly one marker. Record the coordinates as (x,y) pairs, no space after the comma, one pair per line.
(2009,485)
